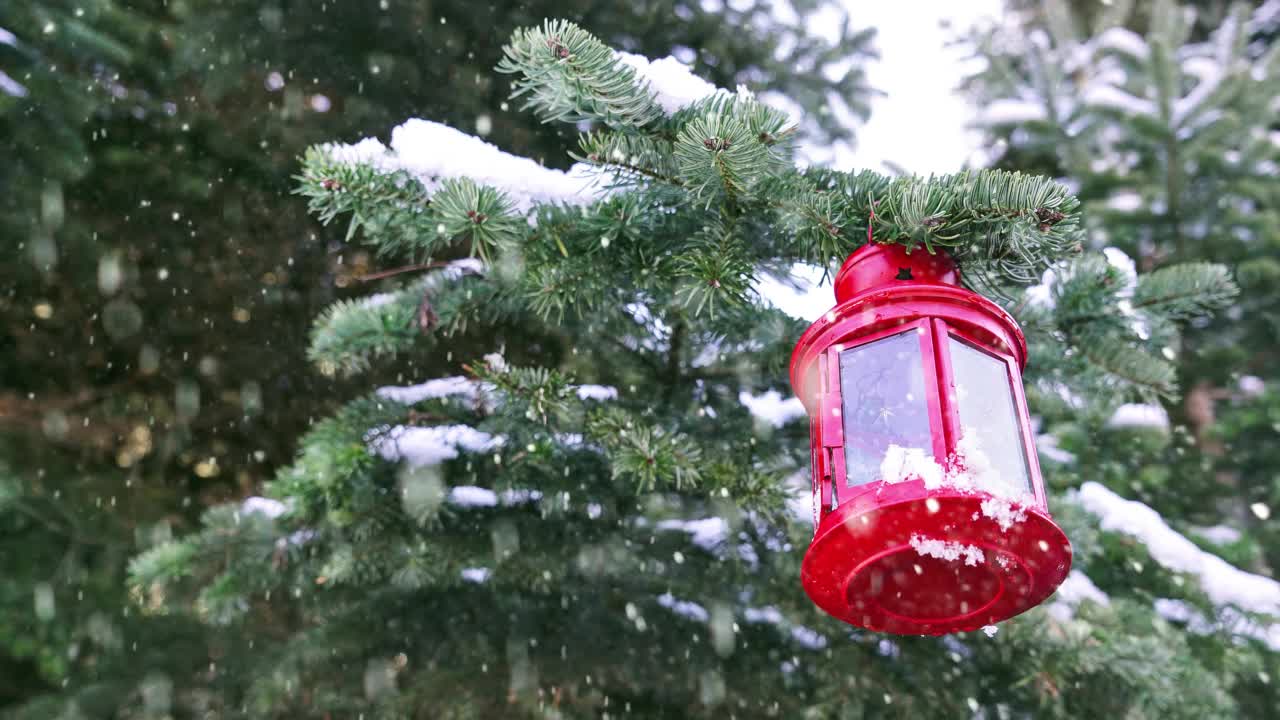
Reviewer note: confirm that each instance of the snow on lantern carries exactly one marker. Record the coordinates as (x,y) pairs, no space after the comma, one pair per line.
(929,508)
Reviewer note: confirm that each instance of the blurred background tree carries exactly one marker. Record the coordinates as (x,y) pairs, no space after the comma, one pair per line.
(160,278)
(1164,116)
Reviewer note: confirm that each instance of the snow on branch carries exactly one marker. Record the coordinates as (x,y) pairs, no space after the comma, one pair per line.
(8,85)
(476,575)
(1212,69)
(270,507)
(706,533)
(684,608)
(1123,40)
(1225,584)
(567,74)
(472,496)
(433,152)
(1113,98)
(430,390)
(1136,415)
(772,408)
(673,84)
(1229,619)
(11,87)
(596,392)
(433,445)
(1267,15)
(468,388)
(805,636)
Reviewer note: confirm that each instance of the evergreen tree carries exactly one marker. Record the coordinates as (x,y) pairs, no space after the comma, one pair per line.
(159,278)
(581,516)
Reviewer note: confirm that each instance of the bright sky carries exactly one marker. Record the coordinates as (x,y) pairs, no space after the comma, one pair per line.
(919,125)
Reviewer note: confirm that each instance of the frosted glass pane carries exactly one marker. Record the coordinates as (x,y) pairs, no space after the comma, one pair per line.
(882,391)
(990,434)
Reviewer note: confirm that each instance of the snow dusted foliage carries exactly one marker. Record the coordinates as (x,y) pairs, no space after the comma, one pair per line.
(1097,74)
(1128,355)
(1128,271)
(1100,61)
(1041,295)
(1233,591)
(1230,620)
(1116,100)
(1045,294)
(807,637)
(947,550)
(1225,584)
(272,508)
(1183,612)
(433,152)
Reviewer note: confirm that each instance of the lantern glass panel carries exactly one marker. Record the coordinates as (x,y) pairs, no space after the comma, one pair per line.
(883,400)
(991,440)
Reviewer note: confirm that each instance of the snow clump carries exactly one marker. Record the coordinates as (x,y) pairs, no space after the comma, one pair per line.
(947,550)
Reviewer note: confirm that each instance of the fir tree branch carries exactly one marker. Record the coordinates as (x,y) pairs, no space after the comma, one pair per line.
(567,75)
(1186,290)
(383,274)
(642,154)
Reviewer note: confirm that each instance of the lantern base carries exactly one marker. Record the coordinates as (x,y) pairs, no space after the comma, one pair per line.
(902,559)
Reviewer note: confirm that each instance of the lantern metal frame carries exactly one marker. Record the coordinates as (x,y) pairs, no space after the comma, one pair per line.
(869,529)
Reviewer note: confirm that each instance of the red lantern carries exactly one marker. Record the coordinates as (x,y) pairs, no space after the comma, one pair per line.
(929,508)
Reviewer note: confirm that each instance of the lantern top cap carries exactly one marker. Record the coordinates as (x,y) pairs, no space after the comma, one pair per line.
(874,265)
